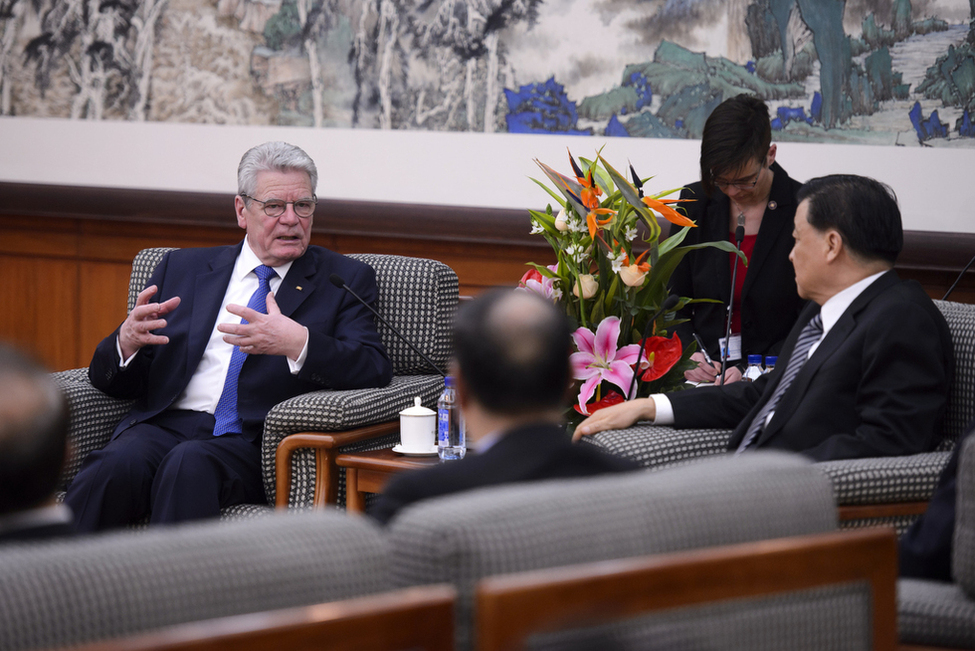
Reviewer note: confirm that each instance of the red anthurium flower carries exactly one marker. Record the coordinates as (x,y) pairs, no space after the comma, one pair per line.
(660,355)
(611,398)
(669,213)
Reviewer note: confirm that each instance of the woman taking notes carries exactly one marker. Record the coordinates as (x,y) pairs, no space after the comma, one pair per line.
(740,182)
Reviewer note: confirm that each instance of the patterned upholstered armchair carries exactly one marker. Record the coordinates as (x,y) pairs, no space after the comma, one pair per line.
(887,490)
(416,295)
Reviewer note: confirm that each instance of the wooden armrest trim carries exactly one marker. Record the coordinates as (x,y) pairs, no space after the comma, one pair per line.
(512,607)
(325,444)
(398,619)
(870,511)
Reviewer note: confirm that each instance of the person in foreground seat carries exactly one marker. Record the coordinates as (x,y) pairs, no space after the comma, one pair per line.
(866,369)
(218,337)
(925,550)
(511,352)
(33,445)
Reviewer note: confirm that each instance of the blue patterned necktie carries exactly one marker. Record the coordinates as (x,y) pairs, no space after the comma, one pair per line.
(227,418)
(809,335)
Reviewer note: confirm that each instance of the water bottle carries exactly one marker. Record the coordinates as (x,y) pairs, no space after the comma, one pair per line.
(754,370)
(451,438)
(770,363)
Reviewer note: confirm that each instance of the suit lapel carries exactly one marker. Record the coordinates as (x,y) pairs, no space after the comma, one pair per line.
(831,342)
(773,222)
(297,286)
(210,289)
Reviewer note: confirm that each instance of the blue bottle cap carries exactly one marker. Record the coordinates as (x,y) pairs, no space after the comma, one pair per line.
(754,359)
(770,360)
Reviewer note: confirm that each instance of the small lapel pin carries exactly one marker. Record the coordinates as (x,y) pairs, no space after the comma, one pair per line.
(772,205)
(298,288)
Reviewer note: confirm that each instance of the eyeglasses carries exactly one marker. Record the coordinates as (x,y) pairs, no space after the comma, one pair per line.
(276,207)
(741,184)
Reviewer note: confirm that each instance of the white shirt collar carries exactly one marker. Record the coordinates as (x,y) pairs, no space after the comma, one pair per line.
(247,261)
(837,304)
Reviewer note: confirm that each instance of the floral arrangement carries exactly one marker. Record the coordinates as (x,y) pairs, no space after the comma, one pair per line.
(608,289)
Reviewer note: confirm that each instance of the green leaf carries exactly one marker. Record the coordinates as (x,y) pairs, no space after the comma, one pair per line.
(558,197)
(630,193)
(674,240)
(546,221)
(566,186)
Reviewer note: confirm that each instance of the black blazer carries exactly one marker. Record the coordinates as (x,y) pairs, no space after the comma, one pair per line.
(344,348)
(770,302)
(876,386)
(532,452)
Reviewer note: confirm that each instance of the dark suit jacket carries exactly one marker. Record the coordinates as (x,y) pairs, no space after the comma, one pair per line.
(925,550)
(770,303)
(532,452)
(344,348)
(876,386)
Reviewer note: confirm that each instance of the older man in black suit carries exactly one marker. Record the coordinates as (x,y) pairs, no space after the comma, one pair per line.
(866,369)
(33,443)
(512,365)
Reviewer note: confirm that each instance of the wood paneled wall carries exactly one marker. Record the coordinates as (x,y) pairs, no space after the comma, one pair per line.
(66,253)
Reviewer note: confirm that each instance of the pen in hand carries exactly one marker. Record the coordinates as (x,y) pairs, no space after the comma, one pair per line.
(704,351)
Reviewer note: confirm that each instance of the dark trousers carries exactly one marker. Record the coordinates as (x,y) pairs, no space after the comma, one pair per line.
(171,468)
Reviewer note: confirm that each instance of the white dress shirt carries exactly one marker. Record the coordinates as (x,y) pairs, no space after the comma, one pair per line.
(830,312)
(205,387)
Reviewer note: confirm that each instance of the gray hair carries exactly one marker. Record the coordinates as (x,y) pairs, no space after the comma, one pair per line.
(273,157)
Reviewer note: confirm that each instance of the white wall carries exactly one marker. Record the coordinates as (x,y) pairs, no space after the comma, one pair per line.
(936,186)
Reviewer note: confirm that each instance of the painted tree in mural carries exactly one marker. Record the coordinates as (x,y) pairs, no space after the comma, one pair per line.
(107,49)
(315,17)
(450,53)
(11,18)
(379,57)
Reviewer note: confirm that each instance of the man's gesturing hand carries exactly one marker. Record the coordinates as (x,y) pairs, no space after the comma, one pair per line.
(264,334)
(136,330)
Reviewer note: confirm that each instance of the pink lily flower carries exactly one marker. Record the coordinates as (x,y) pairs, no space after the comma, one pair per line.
(598,359)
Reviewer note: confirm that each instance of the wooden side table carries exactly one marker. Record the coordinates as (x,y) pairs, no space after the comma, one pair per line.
(368,472)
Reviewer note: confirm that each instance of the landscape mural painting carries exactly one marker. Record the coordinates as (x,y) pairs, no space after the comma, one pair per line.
(880,72)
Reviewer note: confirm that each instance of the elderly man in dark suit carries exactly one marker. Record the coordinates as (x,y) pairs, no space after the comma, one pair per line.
(864,372)
(33,443)
(511,351)
(232,331)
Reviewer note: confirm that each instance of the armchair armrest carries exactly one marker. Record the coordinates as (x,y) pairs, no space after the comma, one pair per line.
(325,445)
(93,416)
(341,419)
(888,489)
(656,445)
